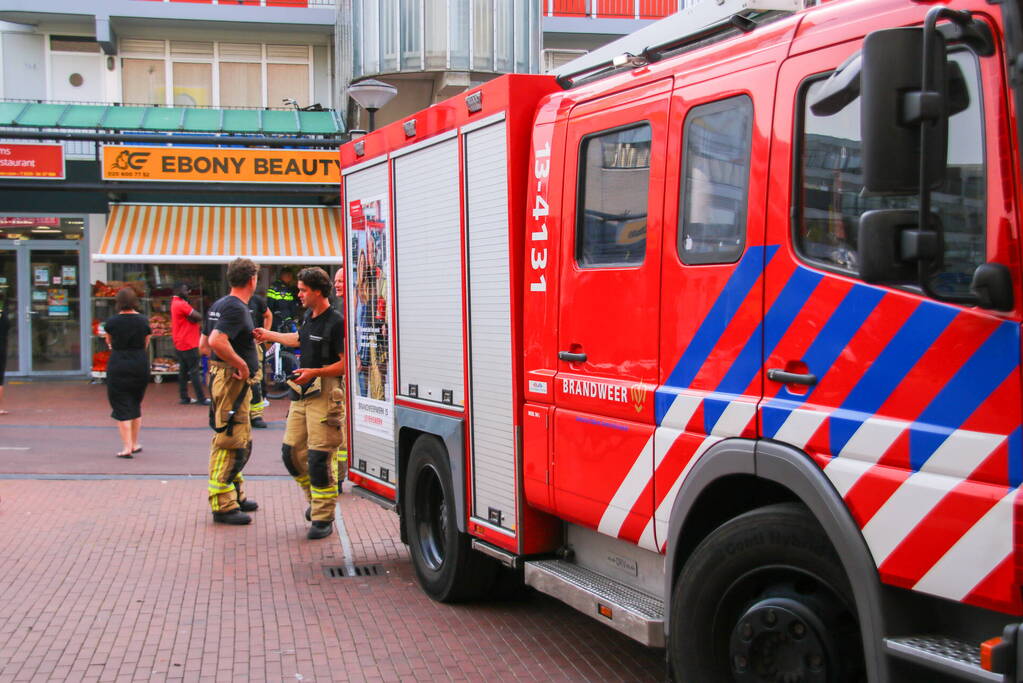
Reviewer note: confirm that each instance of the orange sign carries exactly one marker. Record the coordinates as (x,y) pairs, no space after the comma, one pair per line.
(211,165)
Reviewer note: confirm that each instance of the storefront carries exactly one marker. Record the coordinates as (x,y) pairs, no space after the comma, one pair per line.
(153,247)
(44,288)
(151,216)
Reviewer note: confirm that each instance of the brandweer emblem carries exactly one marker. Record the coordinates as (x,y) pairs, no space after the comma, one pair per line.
(637,392)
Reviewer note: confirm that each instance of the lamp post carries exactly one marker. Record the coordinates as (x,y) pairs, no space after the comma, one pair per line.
(371,95)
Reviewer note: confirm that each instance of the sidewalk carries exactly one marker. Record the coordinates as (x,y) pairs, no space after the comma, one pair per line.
(65,428)
(127,579)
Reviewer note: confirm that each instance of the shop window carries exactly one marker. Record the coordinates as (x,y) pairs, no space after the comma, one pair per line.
(193,84)
(287,80)
(614,184)
(143,81)
(832,200)
(241,85)
(715,180)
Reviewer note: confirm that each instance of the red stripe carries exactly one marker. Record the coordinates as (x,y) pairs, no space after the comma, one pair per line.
(816,313)
(997,590)
(942,528)
(999,413)
(934,370)
(878,483)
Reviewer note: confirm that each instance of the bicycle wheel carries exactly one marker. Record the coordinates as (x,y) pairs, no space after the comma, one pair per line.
(277,384)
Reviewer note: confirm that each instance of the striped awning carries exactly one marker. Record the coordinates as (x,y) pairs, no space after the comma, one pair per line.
(175,233)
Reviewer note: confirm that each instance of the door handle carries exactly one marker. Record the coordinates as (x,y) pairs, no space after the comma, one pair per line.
(572,357)
(779,375)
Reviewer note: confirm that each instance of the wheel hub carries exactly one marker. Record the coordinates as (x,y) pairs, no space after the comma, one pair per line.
(779,640)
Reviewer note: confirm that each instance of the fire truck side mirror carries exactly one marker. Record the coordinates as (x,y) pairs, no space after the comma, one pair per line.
(895,106)
(890,246)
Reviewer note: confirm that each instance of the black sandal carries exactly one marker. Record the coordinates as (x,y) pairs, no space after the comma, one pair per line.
(125,455)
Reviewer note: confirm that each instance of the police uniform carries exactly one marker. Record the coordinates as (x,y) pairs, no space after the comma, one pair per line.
(229,413)
(315,427)
(283,301)
(257,307)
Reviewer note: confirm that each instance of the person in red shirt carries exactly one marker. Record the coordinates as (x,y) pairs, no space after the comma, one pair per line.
(185,333)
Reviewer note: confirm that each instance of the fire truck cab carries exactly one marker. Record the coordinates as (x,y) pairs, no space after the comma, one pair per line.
(714,335)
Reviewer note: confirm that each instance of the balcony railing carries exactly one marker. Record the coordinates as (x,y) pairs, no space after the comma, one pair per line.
(613,9)
(321,4)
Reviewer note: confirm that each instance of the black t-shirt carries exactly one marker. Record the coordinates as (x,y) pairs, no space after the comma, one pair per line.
(127,331)
(257,307)
(232,317)
(321,339)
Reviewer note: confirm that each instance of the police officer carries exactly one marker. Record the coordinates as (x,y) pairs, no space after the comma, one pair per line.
(261,317)
(314,428)
(282,298)
(228,334)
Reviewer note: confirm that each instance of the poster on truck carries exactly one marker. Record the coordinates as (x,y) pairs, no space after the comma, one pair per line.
(370,265)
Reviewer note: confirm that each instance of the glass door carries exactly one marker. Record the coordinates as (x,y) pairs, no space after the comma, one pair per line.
(9,308)
(54,310)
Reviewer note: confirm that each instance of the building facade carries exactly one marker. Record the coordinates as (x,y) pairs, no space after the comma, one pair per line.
(144,103)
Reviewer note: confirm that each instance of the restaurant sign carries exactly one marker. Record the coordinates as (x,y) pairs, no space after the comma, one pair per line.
(29,160)
(212,165)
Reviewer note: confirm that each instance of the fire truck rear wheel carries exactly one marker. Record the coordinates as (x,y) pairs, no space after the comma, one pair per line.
(764,598)
(447,567)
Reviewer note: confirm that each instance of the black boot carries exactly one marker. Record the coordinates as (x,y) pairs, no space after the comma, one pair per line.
(320,530)
(258,422)
(309,514)
(235,516)
(248,505)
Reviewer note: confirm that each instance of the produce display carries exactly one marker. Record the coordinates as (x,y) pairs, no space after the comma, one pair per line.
(160,324)
(100,288)
(164,364)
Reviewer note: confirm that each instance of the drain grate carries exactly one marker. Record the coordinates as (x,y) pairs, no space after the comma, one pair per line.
(359,570)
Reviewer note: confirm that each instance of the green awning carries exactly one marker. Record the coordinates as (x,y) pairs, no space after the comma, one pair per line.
(171,119)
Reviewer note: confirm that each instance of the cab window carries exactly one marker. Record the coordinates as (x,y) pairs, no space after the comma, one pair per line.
(831,198)
(614,186)
(715,181)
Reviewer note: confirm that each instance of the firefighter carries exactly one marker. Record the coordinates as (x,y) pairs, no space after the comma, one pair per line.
(233,363)
(314,428)
(282,299)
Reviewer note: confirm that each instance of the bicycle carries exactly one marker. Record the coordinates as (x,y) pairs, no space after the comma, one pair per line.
(278,364)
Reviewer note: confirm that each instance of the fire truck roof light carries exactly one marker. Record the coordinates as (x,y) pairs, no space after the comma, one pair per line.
(696,22)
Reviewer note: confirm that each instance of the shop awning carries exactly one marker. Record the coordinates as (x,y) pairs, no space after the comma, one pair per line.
(173,233)
(173,119)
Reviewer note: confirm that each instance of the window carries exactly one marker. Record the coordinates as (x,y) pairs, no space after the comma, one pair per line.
(73,44)
(715,181)
(241,84)
(614,183)
(214,74)
(143,81)
(831,201)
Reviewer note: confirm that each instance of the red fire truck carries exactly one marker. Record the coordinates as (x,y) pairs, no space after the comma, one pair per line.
(714,334)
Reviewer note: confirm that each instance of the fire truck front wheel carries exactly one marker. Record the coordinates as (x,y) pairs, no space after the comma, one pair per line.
(764,598)
(447,567)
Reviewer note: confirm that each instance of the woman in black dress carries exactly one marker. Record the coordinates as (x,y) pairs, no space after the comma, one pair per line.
(127,335)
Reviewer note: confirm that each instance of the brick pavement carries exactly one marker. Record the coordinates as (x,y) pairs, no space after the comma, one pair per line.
(125,580)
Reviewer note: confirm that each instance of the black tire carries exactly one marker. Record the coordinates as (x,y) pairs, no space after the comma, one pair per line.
(447,567)
(277,385)
(764,598)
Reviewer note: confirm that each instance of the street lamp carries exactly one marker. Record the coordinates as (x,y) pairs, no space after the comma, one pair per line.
(371,95)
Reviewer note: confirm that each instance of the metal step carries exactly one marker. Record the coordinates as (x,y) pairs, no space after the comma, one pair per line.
(951,656)
(385,503)
(634,613)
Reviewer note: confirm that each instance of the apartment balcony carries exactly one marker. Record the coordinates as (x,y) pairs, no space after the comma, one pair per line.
(109,16)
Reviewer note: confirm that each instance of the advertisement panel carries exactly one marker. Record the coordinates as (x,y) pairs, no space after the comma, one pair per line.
(32,160)
(373,404)
(210,165)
